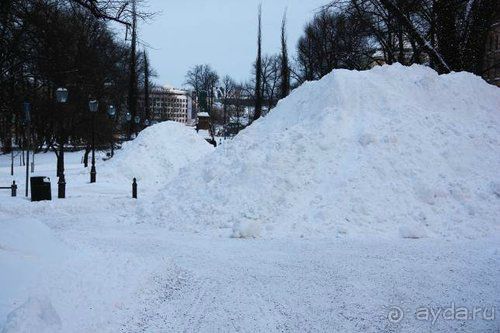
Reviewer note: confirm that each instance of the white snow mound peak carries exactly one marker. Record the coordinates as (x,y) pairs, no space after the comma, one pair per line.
(158,153)
(389,149)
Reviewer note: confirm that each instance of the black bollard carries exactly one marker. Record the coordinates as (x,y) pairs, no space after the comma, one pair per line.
(134,189)
(61,187)
(13,188)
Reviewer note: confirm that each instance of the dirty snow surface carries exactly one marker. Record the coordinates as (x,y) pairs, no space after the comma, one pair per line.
(365,202)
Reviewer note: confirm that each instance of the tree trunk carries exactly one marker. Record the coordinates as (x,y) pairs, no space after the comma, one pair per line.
(441,64)
(86,156)
(446,32)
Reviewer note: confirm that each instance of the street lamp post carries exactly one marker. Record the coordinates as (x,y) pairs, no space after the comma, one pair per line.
(33,160)
(27,120)
(137,121)
(111,114)
(61,97)
(93,106)
(11,158)
(111,111)
(12,148)
(128,121)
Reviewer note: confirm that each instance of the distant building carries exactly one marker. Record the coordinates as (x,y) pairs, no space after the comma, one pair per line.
(169,104)
(492,60)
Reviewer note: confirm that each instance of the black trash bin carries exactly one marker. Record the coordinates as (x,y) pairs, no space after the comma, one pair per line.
(40,188)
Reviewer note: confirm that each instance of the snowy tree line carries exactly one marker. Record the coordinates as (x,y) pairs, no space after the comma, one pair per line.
(448,35)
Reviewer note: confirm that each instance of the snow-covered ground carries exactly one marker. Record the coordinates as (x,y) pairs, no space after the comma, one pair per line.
(99,261)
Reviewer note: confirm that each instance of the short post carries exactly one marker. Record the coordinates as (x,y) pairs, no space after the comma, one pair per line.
(13,188)
(134,189)
(27,165)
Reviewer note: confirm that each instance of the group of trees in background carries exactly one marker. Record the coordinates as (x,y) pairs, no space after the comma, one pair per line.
(447,35)
(332,40)
(47,44)
(270,81)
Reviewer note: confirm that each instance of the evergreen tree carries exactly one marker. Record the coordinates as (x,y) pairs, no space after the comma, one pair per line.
(258,70)
(285,68)
(132,88)
(147,74)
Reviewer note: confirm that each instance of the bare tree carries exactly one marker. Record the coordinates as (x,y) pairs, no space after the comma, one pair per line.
(203,78)
(147,75)
(239,109)
(451,34)
(413,31)
(332,40)
(228,90)
(194,77)
(271,78)
(120,11)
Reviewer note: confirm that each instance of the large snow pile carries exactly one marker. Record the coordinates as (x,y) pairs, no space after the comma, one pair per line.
(399,150)
(157,154)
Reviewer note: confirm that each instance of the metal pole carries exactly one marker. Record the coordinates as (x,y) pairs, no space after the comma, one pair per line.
(92,169)
(12,159)
(61,183)
(27,160)
(62,97)
(33,162)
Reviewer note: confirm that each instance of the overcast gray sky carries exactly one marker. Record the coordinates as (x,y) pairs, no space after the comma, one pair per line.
(221,33)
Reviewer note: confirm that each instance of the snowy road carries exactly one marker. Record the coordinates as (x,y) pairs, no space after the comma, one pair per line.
(339,285)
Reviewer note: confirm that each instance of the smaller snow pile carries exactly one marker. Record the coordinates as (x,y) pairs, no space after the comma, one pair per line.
(35,315)
(246,229)
(412,230)
(157,154)
(27,248)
